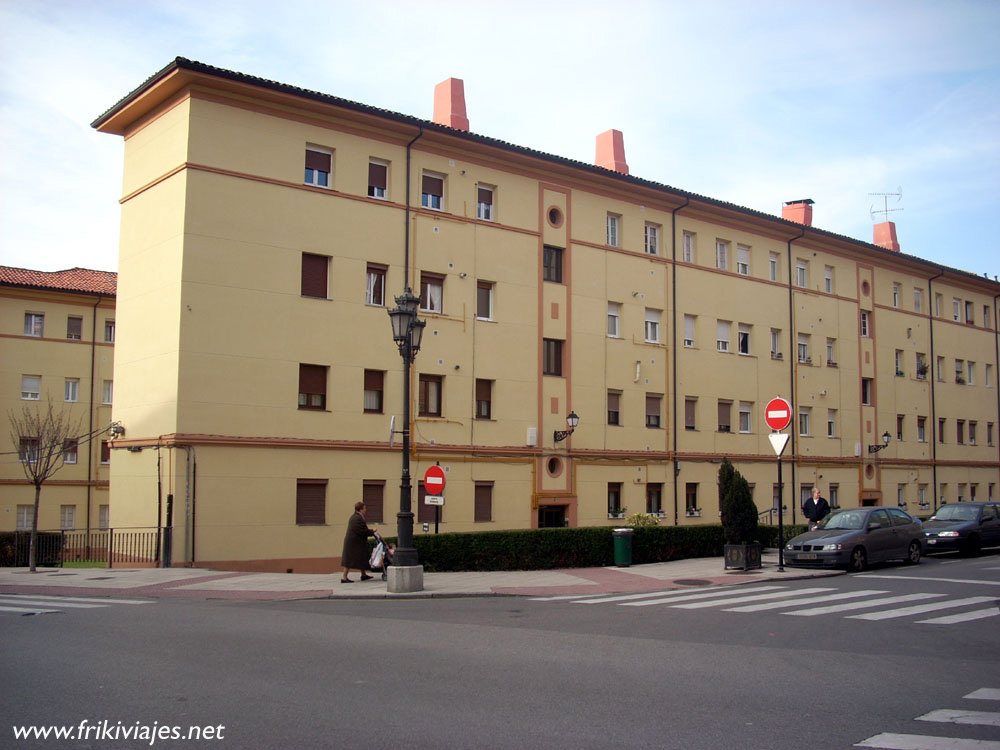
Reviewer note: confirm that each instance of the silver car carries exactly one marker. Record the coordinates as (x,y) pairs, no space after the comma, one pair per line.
(852,539)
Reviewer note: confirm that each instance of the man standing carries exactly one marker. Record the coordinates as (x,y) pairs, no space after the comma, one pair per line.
(816,508)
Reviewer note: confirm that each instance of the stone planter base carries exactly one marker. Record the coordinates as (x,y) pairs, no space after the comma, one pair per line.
(743,556)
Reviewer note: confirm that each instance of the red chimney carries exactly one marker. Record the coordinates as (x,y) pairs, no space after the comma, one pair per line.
(449,104)
(800,211)
(611,151)
(885,236)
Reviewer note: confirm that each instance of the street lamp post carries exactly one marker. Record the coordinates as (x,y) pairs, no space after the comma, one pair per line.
(886,437)
(407,331)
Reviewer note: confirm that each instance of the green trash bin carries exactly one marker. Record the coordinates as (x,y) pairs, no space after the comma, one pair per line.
(623,546)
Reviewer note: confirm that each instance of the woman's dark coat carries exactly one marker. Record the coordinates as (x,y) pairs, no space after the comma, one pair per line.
(355,554)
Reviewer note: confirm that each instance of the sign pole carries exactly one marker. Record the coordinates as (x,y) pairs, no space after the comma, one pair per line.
(777,416)
(781,522)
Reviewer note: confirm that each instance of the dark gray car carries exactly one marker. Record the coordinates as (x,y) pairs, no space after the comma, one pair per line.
(852,539)
(964,526)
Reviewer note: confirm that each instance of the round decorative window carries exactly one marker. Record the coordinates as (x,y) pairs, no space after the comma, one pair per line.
(554,466)
(869,471)
(865,288)
(555,217)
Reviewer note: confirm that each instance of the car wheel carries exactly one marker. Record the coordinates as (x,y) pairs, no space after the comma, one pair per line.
(913,556)
(973,547)
(859,559)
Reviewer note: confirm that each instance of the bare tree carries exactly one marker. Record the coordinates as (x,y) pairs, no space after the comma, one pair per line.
(41,436)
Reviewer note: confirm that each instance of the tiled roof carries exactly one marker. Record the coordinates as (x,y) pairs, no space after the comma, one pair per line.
(70,280)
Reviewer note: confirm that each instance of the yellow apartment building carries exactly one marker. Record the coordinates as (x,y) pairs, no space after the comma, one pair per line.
(57,339)
(266,230)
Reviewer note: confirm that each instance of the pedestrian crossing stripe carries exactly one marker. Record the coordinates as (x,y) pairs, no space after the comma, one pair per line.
(890,741)
(680,596)
(861,605)
(984,694)
(920,609)
(958,716)
(807,600)
(752,598)
(43,604)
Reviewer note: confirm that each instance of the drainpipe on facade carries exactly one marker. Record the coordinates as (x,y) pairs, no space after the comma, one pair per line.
(91,479)
(793,395)
(406,236)
(933,377)
(190,499)
(673,253)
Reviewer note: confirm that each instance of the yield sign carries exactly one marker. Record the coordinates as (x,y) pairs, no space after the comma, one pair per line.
(778,442)
(434,480)
(777,413)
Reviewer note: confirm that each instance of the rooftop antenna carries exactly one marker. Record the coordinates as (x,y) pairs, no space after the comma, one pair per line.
(885,210)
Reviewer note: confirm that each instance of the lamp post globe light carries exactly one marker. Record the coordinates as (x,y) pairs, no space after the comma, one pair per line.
(572,420)
(886,437)
(407,332)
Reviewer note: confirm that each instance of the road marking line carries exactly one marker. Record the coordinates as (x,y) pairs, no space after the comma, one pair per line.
(859,605)
(809,600)
(984,694)
(958,716)
(26,611)
(929,578)
(976,614)
(49,597)
(889,741)
(702,595)
(754,598)
(561,597)
(918,609)
(42,602)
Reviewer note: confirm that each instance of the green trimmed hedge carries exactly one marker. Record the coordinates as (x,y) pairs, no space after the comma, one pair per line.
(544,549)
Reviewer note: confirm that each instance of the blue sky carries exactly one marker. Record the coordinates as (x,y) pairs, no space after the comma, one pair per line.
(749,102)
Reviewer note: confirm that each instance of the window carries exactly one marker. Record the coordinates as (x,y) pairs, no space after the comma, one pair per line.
(654,499)
(743,260)
(70,450)
(552,357)
(776,343)
(614,227)
(866,391)
(960,371)
(614,407)
(107,391)
(552,262)
(899,363)
(723,328)
(973,424)
(689,331)
(691,499)
(109,331)
(921,429)
(969,316)
(25,517)
(922,495)
(688,247)
(373,496)
(956,309)
(722,255)
(652,239)
(652,326)
(374,391)
(988,376)
(773,266)
(615,499)
(484,202)
(921,366)
(989,434)
(865,323)
(743,338)
(431,292)
(432,191)
(831,352)
(986,316)
(938,305)
(31,387)
(831,423)
(942,423)
(74,327)
(315,273)
(429,404)
(654,405)
(834,495)
(828,279)
(484,300)
(899,427)
(895,295)
(918,300)
(375,285)
(960,431)
(614,319)
(746,416)
(801,273)
(34,324)
(690,410)
(67,517)
(27,451)
(312,387)
(71,390)
(725,409)
(105,452)
(940,369)
(805,415)
(483,510)
(970,369)
(484,398)
(310,502)
(318,167)
(378,179)
(802,348)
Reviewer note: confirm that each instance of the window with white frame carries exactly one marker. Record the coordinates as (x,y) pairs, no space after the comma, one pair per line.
(484,300)
(689,331)
(74,327)
(109,331)
(725,409)
(921,365)
(773,267)
(654,409)
(378,179)
(956,309)
(652,239)
(319,163)
(743,338)
(723,328)
(746,416)
(969,313)
(613,229)
(805,415)
(25,517)
(831,352)
(895,295)
(921,429)
(918,300)
(432,191)
(71,390)
(614,319)
(484,202)
(31,387)
(107,391)
(988,375)
(374,394)
(67,517)
(652,326)
(690,412)
(34,324)
(899,363)
(865,323)
(70,451)
(776,343)
(688,247)
(743,260)
(103,516)
(922,495)
(614,407)
(802,348)
(973,425)
(375,285)
(722,255)
(828,279)
(900,426)
(831,423)
(986,316)
(970,368)
(866,391)
(431,292)
(801,272)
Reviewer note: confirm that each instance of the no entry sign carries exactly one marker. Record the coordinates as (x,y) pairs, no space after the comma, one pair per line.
(434,480)
(777,413)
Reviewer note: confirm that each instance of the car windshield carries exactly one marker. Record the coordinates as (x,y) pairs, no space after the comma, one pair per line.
(850,519)
(957,513)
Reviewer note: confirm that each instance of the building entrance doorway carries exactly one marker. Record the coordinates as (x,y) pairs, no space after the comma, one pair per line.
(551,516)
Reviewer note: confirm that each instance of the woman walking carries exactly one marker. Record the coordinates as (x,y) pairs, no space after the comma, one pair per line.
(355,554)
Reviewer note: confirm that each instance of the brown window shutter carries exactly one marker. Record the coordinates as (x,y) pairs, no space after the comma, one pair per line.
(372,494)
(484,502)
(485,195)
(74,328)
(312,379)
(310,502)
(315,271)
(377,175)
(433,185)
(373,380)
(317,160)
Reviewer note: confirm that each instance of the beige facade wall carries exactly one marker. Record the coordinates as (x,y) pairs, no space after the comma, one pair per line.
(215,327)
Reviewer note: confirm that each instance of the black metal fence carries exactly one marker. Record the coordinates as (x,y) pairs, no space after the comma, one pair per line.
(111,547)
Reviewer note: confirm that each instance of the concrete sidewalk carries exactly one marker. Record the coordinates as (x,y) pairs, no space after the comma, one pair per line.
(200,583)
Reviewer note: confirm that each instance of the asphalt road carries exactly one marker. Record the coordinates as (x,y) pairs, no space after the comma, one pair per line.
(508,672)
